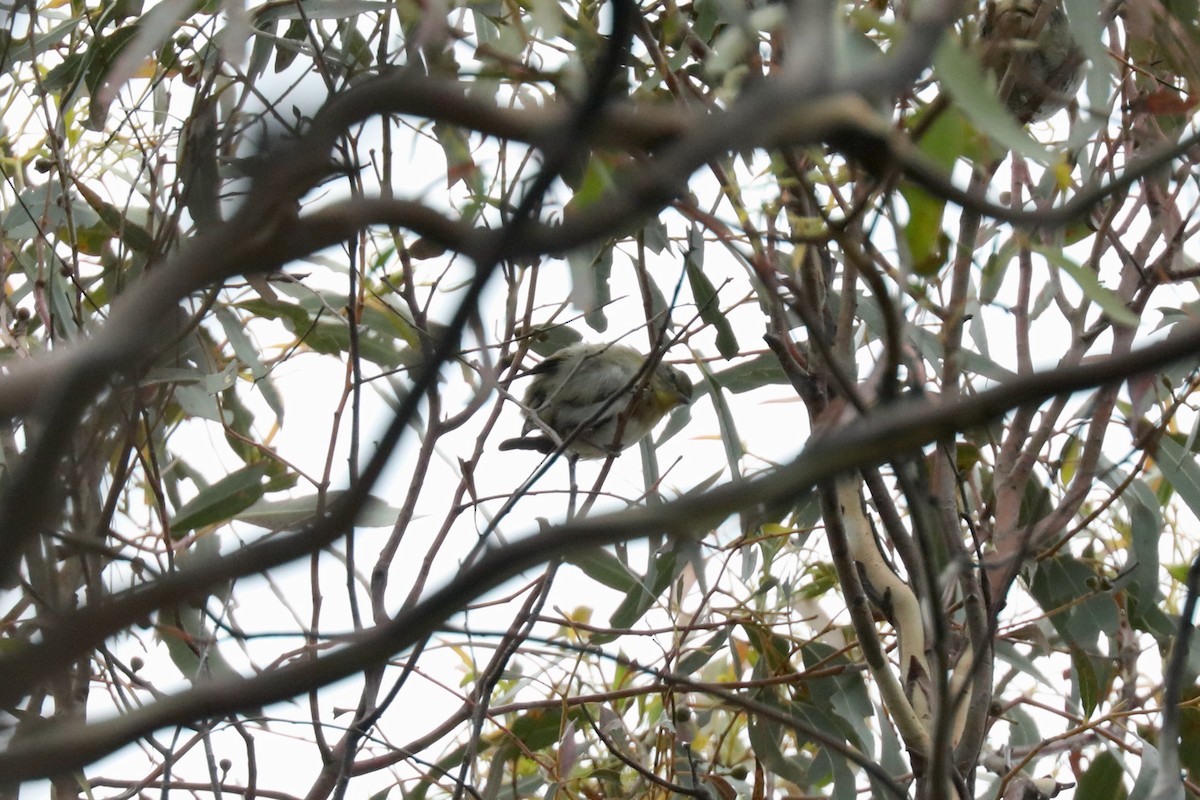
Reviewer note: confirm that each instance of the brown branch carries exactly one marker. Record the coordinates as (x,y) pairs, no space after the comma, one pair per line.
(905,428)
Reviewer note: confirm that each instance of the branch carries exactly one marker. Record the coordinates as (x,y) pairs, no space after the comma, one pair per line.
(904,428)
(1168,785)
(910,710)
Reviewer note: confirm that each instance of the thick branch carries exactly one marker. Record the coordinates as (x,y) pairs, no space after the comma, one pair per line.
(904,429)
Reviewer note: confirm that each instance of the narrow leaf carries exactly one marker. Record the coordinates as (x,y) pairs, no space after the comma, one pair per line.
(221,501)
(1108,300)
(707,302)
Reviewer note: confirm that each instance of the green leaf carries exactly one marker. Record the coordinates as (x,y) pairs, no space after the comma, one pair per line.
(659,308)
(1189,731)
(389,325)
(19,49)
(994,271)
(294,511)
(356,49)
(247,353)
(295,37)
(695,659)
(605,568)
(191,646)
(654,235)
(730,438)
(295,318)
(927,341)
(1145,529)
(708,302)
(1007,652)
(197,402)
(548,340)
(774,651)
(134,236)
(766,736)
(1179,571)
(752,373)
(1179,469)
(385,336)
(821,578)
(928,244)
(37,209)
(1023,728)
(199,168)
(103,54)
(590,292)
(944,143)
(443,767)
(593,186)
(677,421)
(117,11)
(891,758)
(1089,282)
(547,17)
(65,74)
(235,332)
(533,731)
(460,163)
(976,94)
(238,428)
(844,697)
(1088,30)
(664,568)
(331,9)
(1086,682)
(1103,779)
(844,784)
(1058,585)
(180,649)
(222,501)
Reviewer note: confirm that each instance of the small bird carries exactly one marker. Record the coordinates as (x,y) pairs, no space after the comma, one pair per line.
(1034,47)
(576,384)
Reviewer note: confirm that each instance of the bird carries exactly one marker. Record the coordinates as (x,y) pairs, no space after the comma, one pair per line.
(1035,47)
(572,395)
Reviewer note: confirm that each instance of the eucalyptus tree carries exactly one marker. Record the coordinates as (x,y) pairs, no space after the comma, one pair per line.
(277,277)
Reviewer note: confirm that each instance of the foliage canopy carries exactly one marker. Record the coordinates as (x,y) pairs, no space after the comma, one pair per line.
(274,275)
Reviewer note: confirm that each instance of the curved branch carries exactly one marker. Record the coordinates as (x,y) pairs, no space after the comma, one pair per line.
(1168,785)
(904,428)
(267,235)
(907,703)
(906,608)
